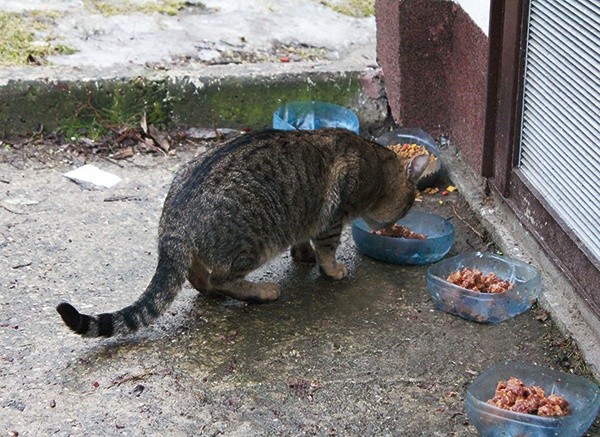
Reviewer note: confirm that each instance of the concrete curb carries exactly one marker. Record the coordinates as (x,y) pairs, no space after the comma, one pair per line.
(558,296)
(185,98)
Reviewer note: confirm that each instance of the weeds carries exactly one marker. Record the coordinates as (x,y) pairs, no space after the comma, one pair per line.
(117,108)
(352,8)
(18,42)
(168,7)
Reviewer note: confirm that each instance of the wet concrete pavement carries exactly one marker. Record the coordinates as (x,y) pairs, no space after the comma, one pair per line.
(369,355)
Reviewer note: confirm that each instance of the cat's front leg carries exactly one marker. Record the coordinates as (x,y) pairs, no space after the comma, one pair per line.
(325,245)
(303,252)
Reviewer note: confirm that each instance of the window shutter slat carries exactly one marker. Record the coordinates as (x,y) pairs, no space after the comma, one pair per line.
(560,127)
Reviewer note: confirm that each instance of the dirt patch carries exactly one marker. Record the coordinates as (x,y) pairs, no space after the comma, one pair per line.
(115,145)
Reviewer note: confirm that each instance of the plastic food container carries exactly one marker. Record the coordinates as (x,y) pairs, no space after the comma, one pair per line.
(420,137)
(484,307)
(491,421)
(314,115)
(394,250)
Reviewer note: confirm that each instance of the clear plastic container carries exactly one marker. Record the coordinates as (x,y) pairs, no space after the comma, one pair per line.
(491,421)
(314,115)
(484,307)
(420,137)
(393,250)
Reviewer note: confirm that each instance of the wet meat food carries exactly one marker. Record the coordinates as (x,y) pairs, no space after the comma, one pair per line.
(400,232)
(475,280)
(513,395)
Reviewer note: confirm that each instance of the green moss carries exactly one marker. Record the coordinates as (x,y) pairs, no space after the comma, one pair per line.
(93,108)
(117,106)
(169,7)
(251,102)
(352,8)
(61,49)
(18,42)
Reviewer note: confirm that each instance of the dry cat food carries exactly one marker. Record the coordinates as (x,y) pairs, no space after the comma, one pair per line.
(475,280)
(408,151)
(400,232)
(513,395)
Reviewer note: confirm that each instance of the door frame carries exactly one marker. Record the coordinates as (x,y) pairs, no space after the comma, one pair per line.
(506,64)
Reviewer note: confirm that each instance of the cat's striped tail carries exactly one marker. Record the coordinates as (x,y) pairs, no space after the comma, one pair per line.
(164,287)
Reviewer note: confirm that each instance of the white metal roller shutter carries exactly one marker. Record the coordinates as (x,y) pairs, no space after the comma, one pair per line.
(560,139)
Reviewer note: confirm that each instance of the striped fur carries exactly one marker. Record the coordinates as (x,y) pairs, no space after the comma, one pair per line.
(232,209)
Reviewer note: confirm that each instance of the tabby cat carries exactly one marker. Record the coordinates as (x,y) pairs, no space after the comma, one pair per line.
(234,208)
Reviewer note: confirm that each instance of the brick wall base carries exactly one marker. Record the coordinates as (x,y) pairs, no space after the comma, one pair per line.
(434,62)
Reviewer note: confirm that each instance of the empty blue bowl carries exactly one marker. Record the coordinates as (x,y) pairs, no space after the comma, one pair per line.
(491,421)
(484,307)
(393,250)
(314,115)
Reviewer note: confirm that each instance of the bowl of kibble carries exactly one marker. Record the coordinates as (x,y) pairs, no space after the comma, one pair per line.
(417,238)
(410,142)
(522,399)
(483,287)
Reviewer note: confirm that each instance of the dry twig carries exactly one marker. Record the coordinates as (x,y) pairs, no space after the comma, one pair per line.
(479,234)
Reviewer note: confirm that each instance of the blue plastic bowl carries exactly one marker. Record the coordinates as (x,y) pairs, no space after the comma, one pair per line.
(491,421)
(484,307)
(417,136)
(314,115)
(439,231)
(410,136)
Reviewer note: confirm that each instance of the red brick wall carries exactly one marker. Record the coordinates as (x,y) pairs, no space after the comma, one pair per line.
(434,62)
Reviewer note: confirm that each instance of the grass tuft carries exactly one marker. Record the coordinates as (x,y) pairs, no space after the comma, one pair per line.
(18,42)
(168,7)
(352,8)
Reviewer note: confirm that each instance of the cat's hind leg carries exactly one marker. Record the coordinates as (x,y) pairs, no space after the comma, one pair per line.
(325,245)
(242,289)
(198,275)
(303,252)
(230,280)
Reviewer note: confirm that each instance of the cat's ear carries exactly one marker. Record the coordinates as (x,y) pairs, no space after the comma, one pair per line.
(416,167)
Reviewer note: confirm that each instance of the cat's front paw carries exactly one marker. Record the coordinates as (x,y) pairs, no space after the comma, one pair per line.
(334,271)
(267,291)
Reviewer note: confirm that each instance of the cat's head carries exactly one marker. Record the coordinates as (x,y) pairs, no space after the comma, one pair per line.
(399,191)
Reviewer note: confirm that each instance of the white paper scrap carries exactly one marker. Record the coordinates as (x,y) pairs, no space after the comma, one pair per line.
(92,174)
(20,201)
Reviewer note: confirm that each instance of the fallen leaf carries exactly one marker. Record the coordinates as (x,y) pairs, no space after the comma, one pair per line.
(159,138)
(137,390)
(126,152)
(144,124)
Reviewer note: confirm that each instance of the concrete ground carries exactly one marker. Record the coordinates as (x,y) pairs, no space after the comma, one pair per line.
(111,33)
(369,355)
(111,38)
